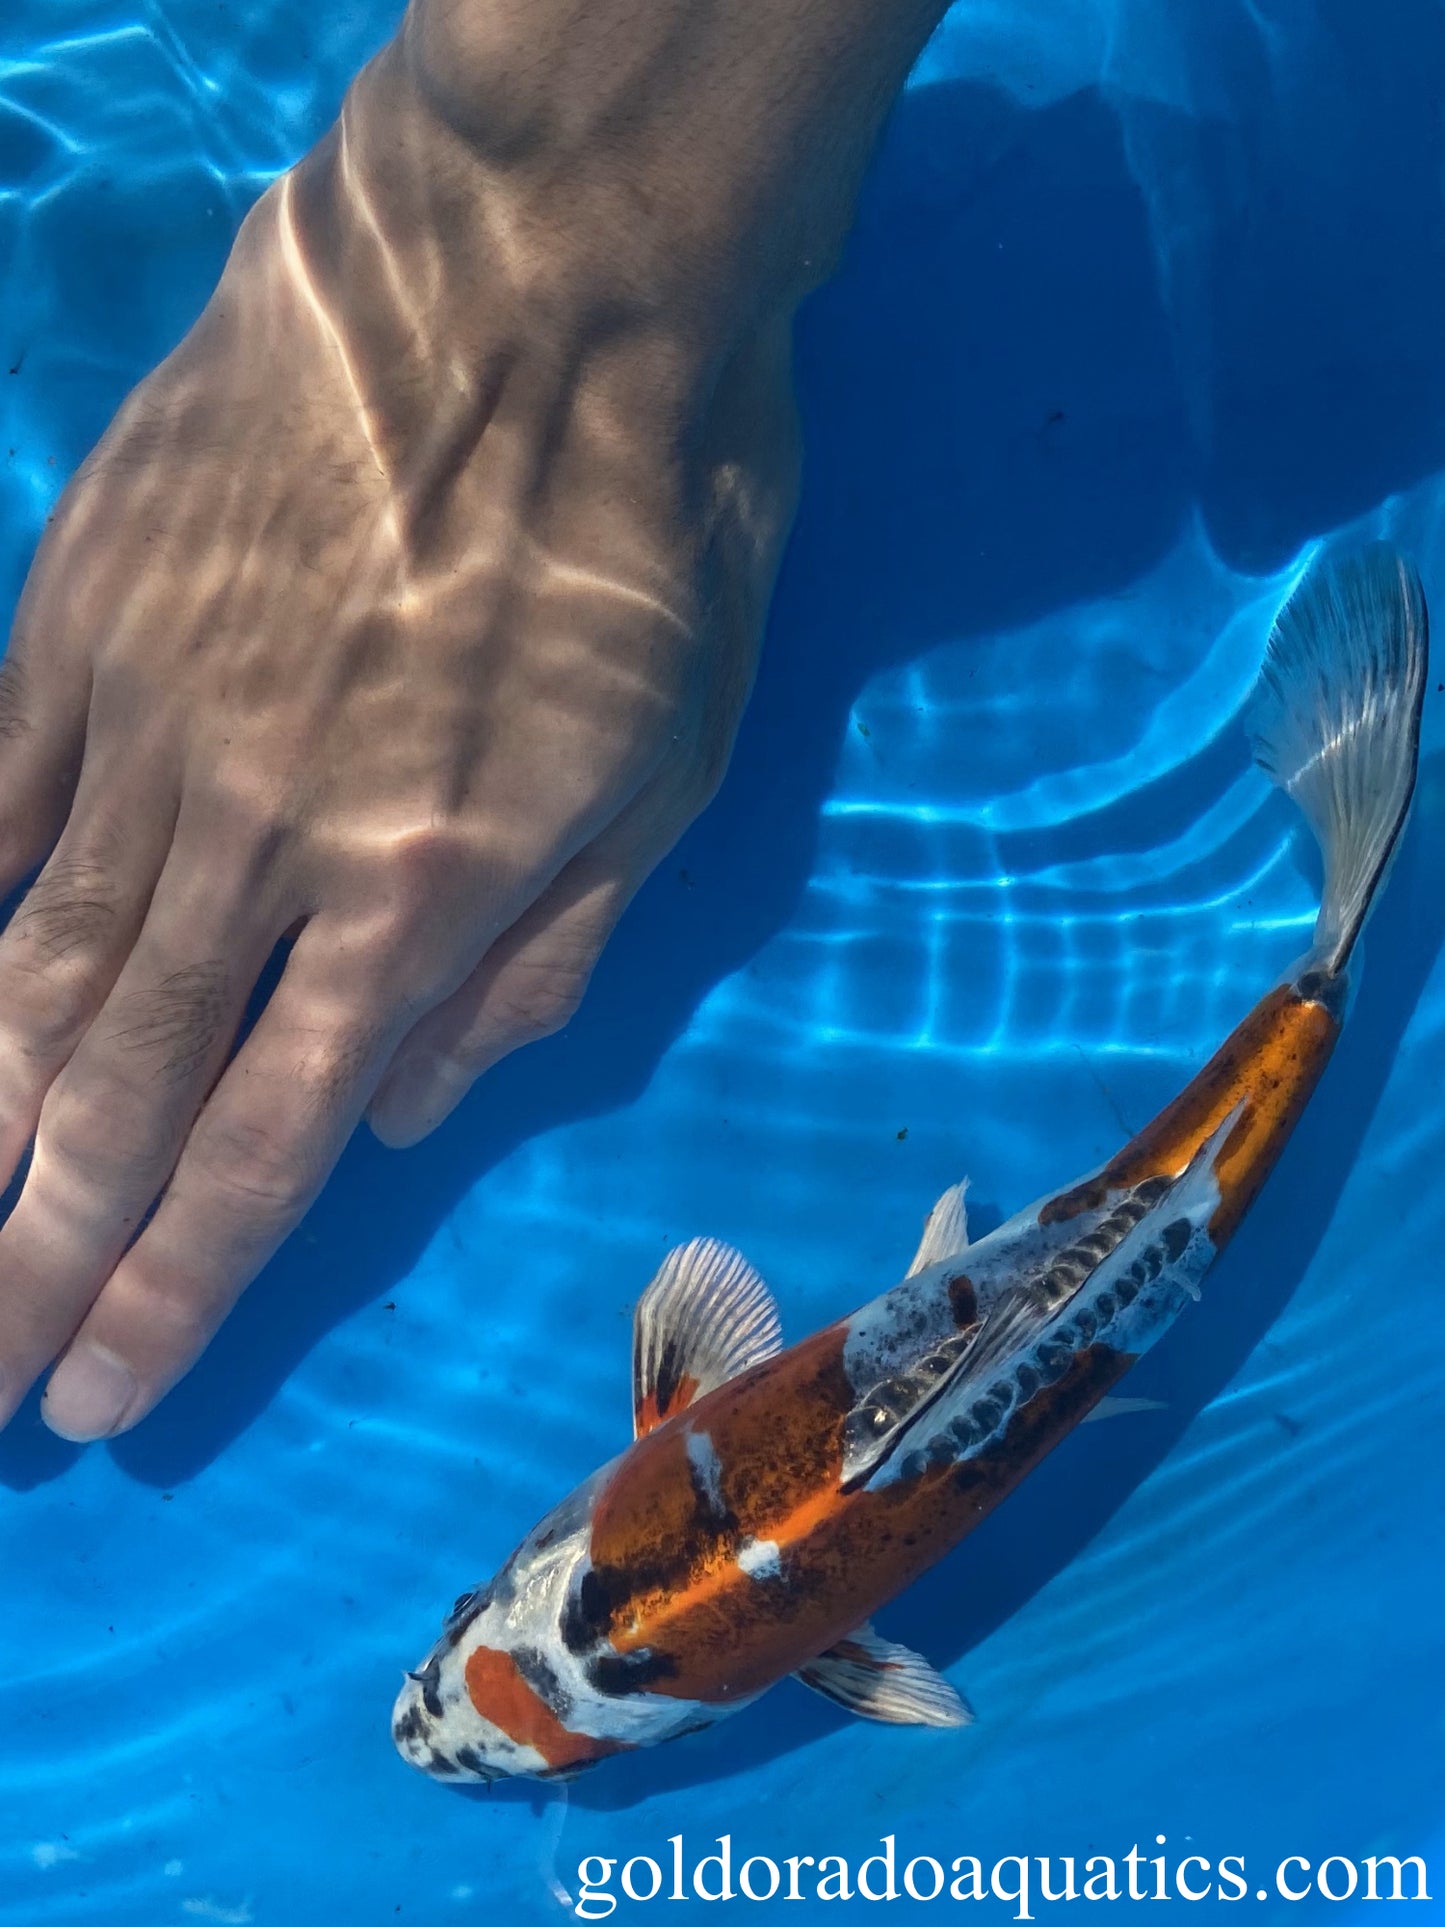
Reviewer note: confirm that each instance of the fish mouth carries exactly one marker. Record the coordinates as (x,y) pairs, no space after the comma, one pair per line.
(417,1740)
(428,1678)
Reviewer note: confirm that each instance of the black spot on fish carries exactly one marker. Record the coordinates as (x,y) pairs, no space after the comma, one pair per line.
(988,1410)
(619,1673)
(670,1375)
(1319,987)
(408,1725)
(1063,1279)
(538,1673)
(440,1764)
(962,1300)
(586,1615)
(470,1761)
(1175,1237)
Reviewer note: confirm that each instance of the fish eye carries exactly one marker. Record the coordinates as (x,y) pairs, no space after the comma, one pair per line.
(460,1604)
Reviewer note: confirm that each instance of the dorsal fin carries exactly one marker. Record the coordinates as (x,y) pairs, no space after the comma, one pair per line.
(705,1317)
(881,1681)
(946,1232)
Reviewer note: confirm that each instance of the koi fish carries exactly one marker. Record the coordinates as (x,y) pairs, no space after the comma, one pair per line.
(773,1500)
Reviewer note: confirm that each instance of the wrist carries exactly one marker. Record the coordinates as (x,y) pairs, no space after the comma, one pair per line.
(702,154)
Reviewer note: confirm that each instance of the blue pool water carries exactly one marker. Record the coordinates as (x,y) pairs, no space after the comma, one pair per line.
(1143,300)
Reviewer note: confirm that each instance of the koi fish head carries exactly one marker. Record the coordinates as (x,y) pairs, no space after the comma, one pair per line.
(496,1697)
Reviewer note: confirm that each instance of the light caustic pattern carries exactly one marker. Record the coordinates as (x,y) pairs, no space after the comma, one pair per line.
(988,809)
(1034,880)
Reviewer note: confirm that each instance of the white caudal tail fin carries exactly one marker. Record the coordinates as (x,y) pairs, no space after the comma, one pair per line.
(1336,722)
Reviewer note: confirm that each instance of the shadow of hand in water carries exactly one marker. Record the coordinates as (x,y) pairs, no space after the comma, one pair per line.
(996,428)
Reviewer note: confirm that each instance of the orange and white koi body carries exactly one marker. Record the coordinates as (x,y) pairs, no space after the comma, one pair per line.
(774,1499)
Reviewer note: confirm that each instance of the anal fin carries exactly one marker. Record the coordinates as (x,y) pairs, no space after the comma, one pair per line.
(878,1680)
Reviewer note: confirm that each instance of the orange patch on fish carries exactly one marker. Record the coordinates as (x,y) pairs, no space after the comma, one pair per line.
(1271,1063)
(728,1633)
(649,1414)
(501,1694)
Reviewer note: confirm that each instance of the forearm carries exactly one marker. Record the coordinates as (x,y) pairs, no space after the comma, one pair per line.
(734,131)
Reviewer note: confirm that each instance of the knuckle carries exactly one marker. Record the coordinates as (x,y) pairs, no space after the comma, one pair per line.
(425,865)
(95,1136)
(43,1020)
(252,1167)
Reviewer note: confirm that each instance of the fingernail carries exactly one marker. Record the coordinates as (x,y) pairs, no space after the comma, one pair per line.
(89,1393)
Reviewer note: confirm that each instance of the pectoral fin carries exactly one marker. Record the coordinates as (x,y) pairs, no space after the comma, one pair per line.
(705,1317)
(880,1681)
(1121,1407)
(946,1232)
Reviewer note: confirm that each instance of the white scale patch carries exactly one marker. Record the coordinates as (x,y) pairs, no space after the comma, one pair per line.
(760,1559)
(707,1468)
